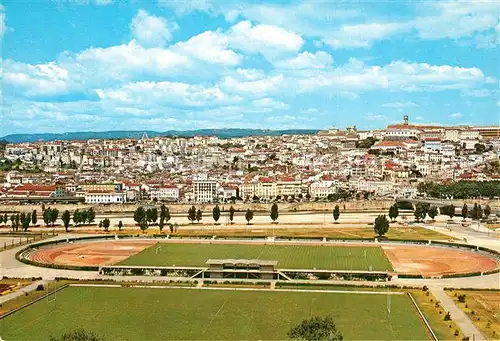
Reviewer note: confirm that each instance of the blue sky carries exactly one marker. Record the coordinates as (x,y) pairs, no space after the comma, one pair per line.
(172,64)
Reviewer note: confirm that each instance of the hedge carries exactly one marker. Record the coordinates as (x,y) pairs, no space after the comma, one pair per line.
(410,276)
(470,274)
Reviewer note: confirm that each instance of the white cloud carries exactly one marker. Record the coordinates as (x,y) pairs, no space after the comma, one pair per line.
(209,46)
(375,117)
(36,80)
(396,76)
(257,87)
(306,60)
(103,2)
(3,26)
(363,35)
(477,92)
(270,103)
(182,7)
(343,26)
(456,115)
(399,105)
(266,39)
(251,74)
(456,19)
(150,30)
(167,93)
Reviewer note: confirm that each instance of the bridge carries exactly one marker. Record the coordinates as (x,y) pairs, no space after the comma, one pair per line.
(495,210)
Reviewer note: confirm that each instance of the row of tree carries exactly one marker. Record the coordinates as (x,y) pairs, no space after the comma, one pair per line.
(23,219)
(422,210)
(461,189)
(145,217)
(84,216)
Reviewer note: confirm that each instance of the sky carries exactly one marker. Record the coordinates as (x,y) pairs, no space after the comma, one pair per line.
(96,65)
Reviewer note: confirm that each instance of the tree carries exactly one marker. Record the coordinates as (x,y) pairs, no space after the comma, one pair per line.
(161,224)
(77,217)
(152,214)
(25,221)
(17,219)
(216,213)
(139,214)
(336,213)
(465,211)
(163,210)
(13,221)
(120,225)
(274,212)
(248,216)
(66,217)
(90,215)
(231,214)
(105,223)
(33,217)
(394,211)
(192,214)
(5,218)
(54,214)
(143,224)
(433,212)
(487,211)
(167,215)
(1,219)
(420,211)
(316,328)
(479,212)
(100,223)
(199,215)
(381,225)
(451,211)
(78,335)
(46,216)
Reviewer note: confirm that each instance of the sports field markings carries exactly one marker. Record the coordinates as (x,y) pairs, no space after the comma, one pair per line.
(213,318)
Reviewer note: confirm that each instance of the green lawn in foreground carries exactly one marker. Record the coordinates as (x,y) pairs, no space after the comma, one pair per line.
(288,256)
(192,314)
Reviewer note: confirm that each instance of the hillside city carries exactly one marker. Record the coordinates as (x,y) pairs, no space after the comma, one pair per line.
(396,161)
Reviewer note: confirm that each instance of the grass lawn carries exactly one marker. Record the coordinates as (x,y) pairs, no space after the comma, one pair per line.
(395,232)
(284,230)
(190,314)
(444,330)
(288,256)
(483,308)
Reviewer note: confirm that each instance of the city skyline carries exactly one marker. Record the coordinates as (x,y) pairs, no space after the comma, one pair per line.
(171,65)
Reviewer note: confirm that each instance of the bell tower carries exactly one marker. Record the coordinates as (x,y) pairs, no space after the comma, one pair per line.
(405,120)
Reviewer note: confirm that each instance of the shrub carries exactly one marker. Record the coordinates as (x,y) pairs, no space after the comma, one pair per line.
(447,317)
(461,298)
(425,288)
(456,332)
(40,287)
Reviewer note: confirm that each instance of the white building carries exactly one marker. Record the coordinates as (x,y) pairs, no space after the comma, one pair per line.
(165,193)
(100,197)
(204,190)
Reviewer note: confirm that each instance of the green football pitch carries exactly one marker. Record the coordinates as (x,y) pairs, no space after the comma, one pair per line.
(194,314)
(288,256)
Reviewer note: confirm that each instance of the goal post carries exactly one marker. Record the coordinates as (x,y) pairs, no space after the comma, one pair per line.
(388,304)
(51,294)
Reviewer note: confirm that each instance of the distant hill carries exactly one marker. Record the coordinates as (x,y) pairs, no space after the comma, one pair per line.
(137,134)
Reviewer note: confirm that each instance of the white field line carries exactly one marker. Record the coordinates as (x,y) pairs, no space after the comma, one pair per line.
(242,289)
(216,314)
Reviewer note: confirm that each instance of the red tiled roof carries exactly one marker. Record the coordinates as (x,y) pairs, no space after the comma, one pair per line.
(35,188)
